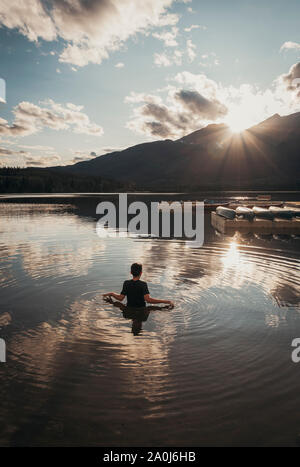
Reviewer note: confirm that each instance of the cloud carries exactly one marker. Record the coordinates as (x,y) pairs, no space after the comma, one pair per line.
(191,101)
(119,65)
(291,80)
(165,60)
(190,49)
(81,156)
(41,161)
(207,109)
(168,37)
(30,118)
(14,157)
(290,46)
(195,26)
(184,111)
(90,29)
(30,18)
(6,152)
(38,147)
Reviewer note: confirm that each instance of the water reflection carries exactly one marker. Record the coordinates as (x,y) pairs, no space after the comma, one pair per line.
(83,371)
(137,315)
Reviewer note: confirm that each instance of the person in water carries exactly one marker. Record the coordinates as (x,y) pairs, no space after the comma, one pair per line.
(136,291)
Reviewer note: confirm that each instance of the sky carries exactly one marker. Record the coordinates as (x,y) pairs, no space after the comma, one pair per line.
(86,77)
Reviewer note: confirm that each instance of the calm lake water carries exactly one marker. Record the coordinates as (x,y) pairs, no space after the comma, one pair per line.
(215,370)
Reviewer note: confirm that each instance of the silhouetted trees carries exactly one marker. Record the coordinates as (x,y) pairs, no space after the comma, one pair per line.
(38,180)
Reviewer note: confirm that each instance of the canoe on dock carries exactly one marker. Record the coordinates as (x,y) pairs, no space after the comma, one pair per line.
(225,212)
(244,212)
(283,213)
(263,213)
(258,226)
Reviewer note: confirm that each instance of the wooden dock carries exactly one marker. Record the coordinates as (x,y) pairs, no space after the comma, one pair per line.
(258,225)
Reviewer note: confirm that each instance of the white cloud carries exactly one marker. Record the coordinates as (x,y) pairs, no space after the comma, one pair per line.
(119,65)
(26,158)
(291,80)
(41,161)
(195,26)
(190,49)
(182,111)
(209,60)
(37,147)
(194,100)
(290,46)
(165,60)
(30,18)
(168,37)
(31,118)
(91,29)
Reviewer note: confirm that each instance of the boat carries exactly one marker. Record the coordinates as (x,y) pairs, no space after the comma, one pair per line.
(283,213)
(225,212)
(244,212)
(295,211)
(263,213)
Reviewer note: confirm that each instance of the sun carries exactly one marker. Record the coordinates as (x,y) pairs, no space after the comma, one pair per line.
(239,120)
(237,125)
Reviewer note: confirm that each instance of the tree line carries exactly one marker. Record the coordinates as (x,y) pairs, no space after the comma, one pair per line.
(39,180)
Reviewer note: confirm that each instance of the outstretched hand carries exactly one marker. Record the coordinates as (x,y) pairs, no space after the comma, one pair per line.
(107,297)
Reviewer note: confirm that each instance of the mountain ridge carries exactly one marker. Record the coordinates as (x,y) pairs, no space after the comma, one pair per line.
(264,154)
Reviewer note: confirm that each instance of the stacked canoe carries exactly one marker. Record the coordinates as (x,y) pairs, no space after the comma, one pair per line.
(271,220)
(270,213)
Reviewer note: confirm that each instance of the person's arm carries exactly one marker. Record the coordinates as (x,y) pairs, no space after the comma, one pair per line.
(117,296)
(149,299)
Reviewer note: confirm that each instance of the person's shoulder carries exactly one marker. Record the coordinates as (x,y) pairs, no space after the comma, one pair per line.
(143,283)
(144,286)
(127,282)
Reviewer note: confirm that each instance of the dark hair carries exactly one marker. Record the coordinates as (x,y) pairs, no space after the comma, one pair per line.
(136,269)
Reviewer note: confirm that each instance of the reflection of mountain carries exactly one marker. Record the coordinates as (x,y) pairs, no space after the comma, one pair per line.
(266,155)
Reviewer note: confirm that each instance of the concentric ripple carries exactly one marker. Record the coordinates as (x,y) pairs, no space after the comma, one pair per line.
(216,369)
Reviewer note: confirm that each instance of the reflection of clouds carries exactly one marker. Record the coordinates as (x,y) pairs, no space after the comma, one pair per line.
(44,260)
(143,356)
(90,324)
(227,265)
(48,242)
(36,350)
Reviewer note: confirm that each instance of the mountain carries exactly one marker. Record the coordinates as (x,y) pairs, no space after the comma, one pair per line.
(263,156)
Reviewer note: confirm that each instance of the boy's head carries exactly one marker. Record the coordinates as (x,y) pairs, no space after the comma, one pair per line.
(136,269)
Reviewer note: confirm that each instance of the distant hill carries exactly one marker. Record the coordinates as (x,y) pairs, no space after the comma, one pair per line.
(266,155)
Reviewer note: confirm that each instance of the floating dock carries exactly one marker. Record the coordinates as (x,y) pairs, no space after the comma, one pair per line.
(258,225)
